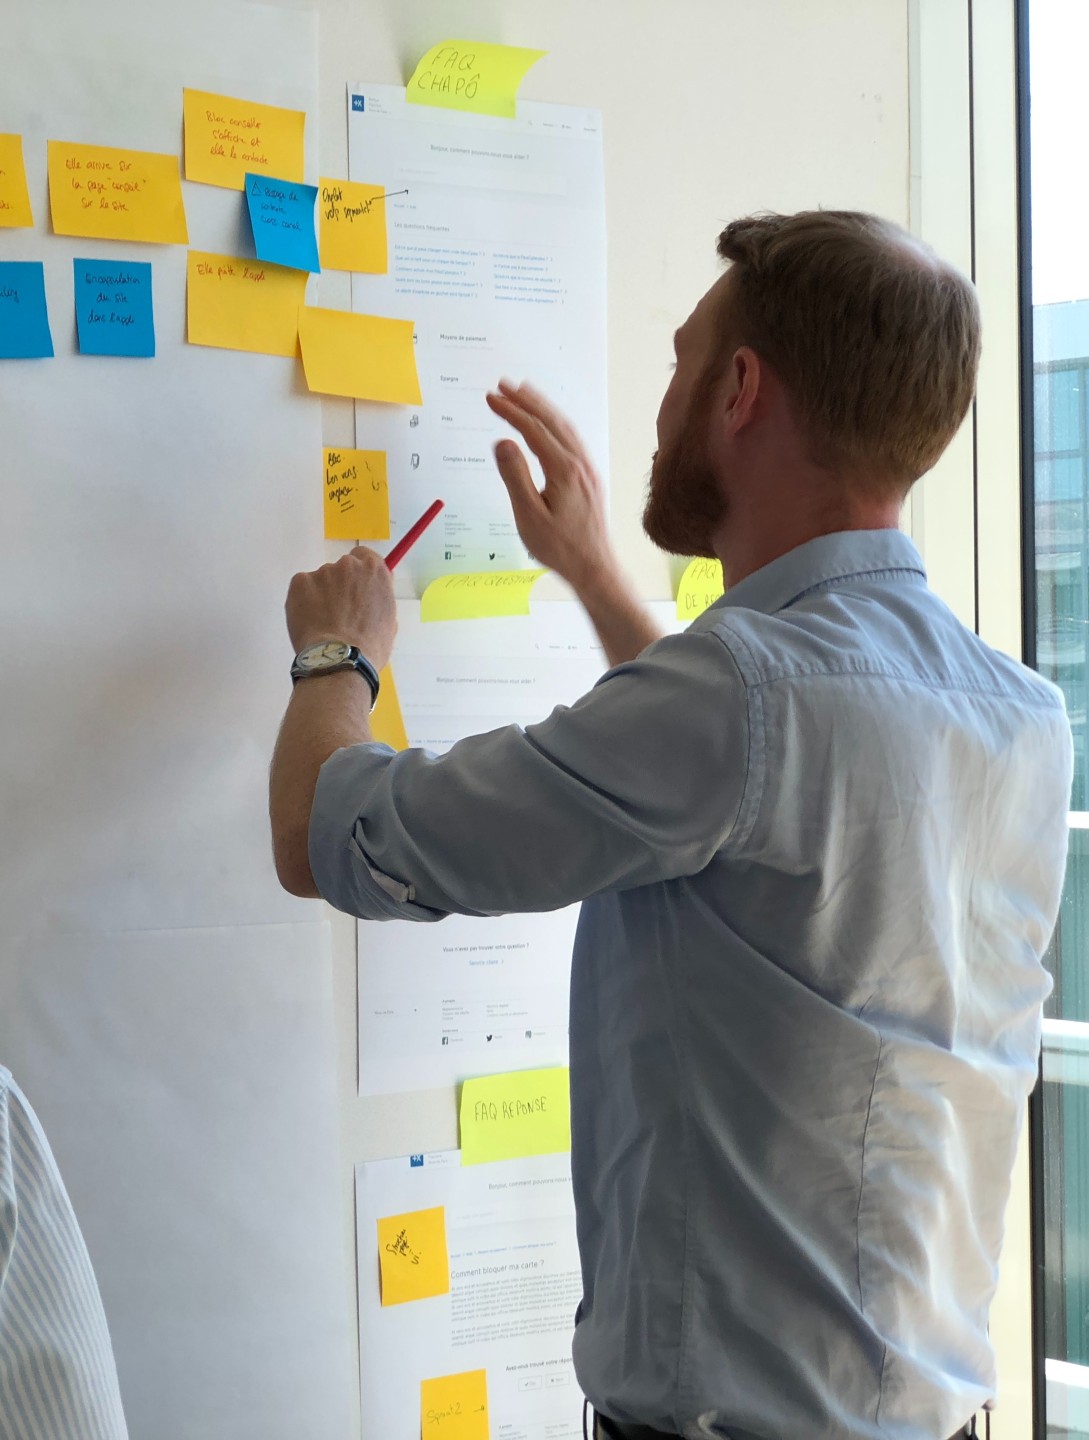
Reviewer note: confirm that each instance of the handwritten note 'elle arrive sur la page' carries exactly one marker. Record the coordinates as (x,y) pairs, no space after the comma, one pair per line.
(14,196)
(225,137)
(237,304)
(103,193)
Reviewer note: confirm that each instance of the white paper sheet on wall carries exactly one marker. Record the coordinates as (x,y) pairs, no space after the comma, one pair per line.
(438,1003)
(497,253)
(514,1285)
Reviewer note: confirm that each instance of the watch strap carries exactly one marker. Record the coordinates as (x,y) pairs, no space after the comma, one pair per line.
(355,660)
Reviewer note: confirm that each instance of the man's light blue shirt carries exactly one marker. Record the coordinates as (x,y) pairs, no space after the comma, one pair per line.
(821,838)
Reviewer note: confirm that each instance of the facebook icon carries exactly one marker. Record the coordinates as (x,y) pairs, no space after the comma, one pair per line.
(357,102)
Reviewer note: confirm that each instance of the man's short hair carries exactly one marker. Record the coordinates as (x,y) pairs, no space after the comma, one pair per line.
(876,338)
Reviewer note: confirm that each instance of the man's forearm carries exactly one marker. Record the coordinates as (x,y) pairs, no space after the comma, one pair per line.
(325,713)
(623,623)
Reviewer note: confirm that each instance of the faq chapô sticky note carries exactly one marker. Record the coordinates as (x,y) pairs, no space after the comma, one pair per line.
(225,137)
(24,318)
(102,193)
(701,585)
(356,494)
(455,1407)
(352,226)
(282,220)
(412,1258)
(114,311)
(236,304)
(366,357)
(15,209)
(387,722)
(460,75)
(506,1117)
(479,595)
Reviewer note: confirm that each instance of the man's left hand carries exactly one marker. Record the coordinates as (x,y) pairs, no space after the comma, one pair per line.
(350,600)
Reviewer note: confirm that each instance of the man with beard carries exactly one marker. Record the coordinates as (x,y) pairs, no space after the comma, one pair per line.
(820,838)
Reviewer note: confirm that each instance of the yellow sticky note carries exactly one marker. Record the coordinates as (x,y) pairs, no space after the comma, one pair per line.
(243,304)
(478,595)
(505,1117)
(412,1257)
(14,196)
(226,137)
(352,227)
(356,494)
(460,75)
(455,1407)
(366,357)
(701,585)
(111,194)
(387,722)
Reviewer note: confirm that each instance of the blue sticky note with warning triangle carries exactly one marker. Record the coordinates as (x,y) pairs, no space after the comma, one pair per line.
(24,319)
(282,214)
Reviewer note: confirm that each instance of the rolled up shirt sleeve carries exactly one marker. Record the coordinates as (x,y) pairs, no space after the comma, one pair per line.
(642,780)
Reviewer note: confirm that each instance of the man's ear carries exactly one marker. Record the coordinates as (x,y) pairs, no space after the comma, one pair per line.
(742,386)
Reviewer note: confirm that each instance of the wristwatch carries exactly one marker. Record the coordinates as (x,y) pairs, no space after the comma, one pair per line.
(330,655)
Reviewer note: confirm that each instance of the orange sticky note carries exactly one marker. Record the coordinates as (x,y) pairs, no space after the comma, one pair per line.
(356,494)
(387,722)
(366,357)
(238,304)
(111,194)
(352,227)
(226,137)
(455,1407)
(412,1258)
(14,196)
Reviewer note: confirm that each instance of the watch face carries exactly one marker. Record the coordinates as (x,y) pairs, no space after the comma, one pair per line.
(321,657)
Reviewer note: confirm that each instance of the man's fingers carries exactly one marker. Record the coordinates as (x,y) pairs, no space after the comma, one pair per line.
(538,437)
(541,408)
(525,498)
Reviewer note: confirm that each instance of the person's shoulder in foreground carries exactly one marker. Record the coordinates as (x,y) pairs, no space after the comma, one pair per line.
(58,1379)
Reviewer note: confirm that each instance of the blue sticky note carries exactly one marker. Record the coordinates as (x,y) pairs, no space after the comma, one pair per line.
(282,216)
(114,314)
(24,319)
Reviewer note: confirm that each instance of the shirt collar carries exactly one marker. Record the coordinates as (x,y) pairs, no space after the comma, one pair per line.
(828,558)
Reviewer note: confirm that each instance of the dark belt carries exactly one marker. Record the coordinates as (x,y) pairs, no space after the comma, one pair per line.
(608,1429)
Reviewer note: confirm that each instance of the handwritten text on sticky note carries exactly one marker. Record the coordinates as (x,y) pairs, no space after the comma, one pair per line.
(412,1257)
(109,194)
(462,75)
(24,319)
(14,195)
(243,304)
(225,137)
(701,585)
(282,219)
(505,1117)
(455,1407)
(479,595)
(356,494)
(366,357)
(352,226)
(114,312)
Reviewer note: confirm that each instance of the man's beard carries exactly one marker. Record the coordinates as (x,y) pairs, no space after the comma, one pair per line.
(685,504)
